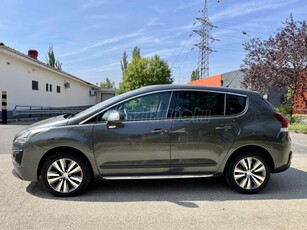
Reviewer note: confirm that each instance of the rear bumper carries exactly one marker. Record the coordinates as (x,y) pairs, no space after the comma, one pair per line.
(285,166)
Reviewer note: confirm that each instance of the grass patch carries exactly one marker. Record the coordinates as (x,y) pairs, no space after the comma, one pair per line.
(298,127)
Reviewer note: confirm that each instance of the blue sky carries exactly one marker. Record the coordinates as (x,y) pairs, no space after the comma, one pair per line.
(90,36)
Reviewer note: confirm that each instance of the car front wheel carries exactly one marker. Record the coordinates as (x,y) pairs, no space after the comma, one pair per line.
(248,173)
(65,174)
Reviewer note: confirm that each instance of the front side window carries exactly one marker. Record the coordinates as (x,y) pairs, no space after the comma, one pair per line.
(148,107)
(198,104)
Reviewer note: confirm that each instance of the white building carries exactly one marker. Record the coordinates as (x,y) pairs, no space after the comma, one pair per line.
(29,82)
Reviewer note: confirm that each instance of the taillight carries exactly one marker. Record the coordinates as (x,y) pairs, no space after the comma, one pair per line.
(283,121)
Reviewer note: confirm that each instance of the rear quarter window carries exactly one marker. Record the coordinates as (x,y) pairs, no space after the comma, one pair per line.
(235,104)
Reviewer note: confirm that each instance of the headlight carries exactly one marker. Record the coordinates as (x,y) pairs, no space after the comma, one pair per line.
(27,134)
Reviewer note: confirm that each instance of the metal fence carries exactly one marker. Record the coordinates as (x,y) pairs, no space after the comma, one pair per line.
(21,111)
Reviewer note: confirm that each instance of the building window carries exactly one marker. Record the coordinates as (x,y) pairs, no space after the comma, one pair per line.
(58,89)
(34,85)
(50,88)
(47,87)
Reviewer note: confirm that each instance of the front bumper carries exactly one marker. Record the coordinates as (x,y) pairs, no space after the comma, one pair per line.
(15,174)
(25,159)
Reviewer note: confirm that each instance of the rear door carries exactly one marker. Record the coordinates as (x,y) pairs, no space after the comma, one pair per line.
(202,131)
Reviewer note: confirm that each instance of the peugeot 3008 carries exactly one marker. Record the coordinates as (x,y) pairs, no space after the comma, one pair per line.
(158,132)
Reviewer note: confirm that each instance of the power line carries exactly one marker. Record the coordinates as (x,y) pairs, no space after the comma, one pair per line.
(182,47)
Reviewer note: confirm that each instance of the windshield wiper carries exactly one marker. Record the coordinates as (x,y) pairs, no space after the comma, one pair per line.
(69,115)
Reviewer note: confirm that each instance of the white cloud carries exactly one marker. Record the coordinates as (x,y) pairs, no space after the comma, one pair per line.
(164,53)
(240,9)
(184,5)
(89,4)
(104,42)
(157,9)
(154,22)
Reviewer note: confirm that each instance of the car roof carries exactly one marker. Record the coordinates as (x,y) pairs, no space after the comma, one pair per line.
(194,87)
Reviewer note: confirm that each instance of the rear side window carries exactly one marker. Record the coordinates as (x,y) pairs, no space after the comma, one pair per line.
(199,104)
(235,104)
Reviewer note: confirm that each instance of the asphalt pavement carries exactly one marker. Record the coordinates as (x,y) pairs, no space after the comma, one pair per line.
(155,204)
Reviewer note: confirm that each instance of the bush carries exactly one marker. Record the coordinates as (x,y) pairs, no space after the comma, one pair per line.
(285,110)
(298,127)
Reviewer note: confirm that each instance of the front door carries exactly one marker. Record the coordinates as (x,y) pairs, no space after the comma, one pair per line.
(141,143)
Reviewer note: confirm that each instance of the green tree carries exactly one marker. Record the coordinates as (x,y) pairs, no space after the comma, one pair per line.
(136,53)
(108,83)
(194,75)
(124,63)
(145,71)
(51,60)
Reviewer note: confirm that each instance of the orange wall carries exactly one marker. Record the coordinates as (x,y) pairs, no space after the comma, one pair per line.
(300,100)
(209,81)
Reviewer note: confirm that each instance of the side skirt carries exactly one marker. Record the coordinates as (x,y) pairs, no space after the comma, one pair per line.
(156,177)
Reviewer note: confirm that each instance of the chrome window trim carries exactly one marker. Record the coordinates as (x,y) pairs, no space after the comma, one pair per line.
(225,103)
(172,93)
(127,99)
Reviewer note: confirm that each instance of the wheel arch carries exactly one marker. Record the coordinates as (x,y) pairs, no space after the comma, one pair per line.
(67,149)
(251,148)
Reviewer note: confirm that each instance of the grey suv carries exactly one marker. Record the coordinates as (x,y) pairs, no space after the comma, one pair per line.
(158,132)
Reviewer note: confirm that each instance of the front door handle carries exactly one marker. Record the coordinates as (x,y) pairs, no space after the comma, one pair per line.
(158,131)
(223,127)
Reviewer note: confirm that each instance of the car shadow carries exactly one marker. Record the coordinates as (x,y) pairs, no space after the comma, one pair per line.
(291,184)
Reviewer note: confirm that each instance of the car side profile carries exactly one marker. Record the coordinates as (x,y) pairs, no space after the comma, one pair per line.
(158,132)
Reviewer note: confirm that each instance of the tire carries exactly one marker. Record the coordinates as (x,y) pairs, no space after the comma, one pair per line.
(65,174)
(248,173)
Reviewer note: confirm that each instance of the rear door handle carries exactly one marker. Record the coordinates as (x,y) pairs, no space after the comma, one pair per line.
(223,127)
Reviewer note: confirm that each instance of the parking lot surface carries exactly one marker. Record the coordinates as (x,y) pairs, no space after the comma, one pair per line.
(155,204)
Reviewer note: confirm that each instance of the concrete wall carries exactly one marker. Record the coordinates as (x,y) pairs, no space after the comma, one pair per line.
(16,78)
(232,79)
(277,96)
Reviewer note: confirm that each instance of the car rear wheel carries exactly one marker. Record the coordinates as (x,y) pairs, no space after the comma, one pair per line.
(65,174)
(248,173)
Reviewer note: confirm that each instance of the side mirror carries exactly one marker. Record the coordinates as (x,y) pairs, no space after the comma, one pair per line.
(114,119)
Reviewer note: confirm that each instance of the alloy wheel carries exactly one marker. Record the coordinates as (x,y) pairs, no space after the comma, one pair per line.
(64,175)
(250,173)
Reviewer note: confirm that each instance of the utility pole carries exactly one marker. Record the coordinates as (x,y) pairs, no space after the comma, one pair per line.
(204,42)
